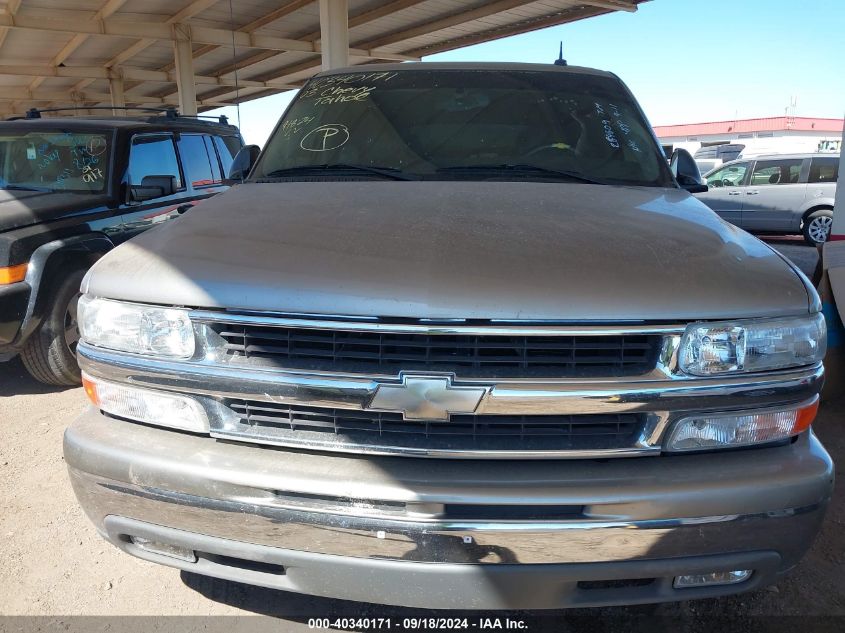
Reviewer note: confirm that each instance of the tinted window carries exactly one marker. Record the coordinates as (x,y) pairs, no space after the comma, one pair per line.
(55,160)
(730,152)
(777,172)
(195,160)
(724,152)
(212,158)
(729,176)
(153,156)
(455,124)
(705,165)
(824,169)
(227,147)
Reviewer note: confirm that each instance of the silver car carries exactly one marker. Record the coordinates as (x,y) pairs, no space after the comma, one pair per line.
(462,339)
(781,193)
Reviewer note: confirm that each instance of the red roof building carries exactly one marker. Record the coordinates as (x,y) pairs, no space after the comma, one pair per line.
(750,126)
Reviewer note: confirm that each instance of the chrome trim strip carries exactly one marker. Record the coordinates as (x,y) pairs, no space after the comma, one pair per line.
(724,393)
(387,538)
(524,397)
(336,447)
(207,316)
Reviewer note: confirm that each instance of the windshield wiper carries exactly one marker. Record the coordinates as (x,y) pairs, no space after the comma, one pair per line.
(524,168)
(24,188)
(386,172)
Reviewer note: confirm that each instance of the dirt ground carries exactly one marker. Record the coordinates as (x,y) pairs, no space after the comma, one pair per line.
(55,564)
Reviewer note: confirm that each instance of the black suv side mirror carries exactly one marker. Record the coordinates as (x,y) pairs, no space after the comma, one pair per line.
(243,163)
(152,187)
(686,172)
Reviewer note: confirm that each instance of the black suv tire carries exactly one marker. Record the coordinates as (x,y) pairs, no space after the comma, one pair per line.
(50,353)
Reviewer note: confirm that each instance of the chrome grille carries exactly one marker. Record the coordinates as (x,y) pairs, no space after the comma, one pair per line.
(287,424)
(464,354)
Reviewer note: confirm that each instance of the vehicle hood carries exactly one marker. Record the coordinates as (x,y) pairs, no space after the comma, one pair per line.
(487,250)
(22,208)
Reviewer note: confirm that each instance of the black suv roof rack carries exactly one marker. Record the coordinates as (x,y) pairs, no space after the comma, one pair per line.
(169,112)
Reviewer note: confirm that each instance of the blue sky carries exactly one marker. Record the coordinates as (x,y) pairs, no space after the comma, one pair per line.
(685,60)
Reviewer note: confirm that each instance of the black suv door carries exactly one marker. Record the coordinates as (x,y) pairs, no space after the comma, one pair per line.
(150,156)
(202,168)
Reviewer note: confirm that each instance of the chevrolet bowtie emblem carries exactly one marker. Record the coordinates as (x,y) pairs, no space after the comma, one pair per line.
(426,397)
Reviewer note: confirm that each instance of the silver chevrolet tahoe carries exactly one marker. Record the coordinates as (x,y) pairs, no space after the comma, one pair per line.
(461,339)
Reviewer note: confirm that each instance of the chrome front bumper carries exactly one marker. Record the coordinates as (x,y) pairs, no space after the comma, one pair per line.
(325,515)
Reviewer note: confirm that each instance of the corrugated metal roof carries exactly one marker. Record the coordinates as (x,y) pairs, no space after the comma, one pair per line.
(62,52)
(769,124)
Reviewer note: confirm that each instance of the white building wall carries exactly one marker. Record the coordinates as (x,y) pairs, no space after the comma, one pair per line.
(780,142)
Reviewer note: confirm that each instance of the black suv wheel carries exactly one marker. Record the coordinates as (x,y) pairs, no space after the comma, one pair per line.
(50,353)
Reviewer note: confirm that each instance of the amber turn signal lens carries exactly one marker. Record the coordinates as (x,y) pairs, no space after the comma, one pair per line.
(12,274)
(805,417)
(90,390)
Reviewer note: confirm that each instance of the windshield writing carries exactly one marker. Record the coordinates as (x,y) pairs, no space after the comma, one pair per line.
(430,124)
(55,161)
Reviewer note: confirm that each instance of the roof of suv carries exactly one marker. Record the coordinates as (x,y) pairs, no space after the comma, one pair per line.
(376,68)
(793,155)
(124,122)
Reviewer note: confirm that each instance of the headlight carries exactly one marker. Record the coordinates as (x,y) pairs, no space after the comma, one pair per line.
(140,329)
(746,346)
(743,428)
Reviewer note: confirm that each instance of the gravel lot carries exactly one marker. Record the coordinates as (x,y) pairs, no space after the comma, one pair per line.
(54,563)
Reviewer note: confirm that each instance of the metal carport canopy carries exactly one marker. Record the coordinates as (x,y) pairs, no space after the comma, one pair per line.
(200,54)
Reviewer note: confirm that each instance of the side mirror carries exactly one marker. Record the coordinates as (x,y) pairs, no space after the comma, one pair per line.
(686,172)
(243,163)
(152,187)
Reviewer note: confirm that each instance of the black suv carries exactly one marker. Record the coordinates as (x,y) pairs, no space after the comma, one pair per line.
(71,189)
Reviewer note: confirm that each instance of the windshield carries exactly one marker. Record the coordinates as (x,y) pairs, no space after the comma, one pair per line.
(55,160)
(468,125)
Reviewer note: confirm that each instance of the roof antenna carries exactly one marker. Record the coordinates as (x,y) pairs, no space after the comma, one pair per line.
(560,61)
(234,65)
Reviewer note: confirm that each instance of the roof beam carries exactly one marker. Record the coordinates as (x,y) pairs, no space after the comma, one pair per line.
(295,75)
(185,14)
(265,47)
(22,94)
(156,31)
(381,12)
(286,9)
(172,32)
(613,5)
(197,6)
(109,8)
(445,22)
(586,10)
(11,8)
(295,72)
(354,20)
(128,73)
(366,17)
(278,13)
(129,53)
